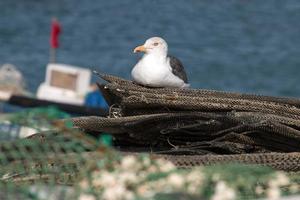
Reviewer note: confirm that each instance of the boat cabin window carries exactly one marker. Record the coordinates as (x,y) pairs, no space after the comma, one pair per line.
(63,80)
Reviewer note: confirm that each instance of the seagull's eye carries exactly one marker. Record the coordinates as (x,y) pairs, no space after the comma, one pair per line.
(155,44)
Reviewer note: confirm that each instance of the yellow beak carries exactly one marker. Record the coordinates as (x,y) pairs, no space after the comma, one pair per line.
(140,49)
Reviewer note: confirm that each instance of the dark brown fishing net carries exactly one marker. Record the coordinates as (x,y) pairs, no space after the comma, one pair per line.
(197,127)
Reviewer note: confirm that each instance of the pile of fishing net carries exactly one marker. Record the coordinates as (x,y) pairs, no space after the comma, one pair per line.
(157,143)
(193,127)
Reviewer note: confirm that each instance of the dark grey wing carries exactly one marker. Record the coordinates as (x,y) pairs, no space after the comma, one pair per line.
(177,68)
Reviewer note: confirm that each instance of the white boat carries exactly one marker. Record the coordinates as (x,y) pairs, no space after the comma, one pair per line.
(65,87)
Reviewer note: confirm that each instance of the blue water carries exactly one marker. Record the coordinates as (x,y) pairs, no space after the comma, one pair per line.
(248,46)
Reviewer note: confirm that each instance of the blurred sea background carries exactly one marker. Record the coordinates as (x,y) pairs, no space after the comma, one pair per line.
(250,46)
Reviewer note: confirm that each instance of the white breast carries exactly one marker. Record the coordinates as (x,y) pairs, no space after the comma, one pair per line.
(155,72)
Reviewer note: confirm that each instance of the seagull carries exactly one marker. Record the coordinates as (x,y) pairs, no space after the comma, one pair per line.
(156,68)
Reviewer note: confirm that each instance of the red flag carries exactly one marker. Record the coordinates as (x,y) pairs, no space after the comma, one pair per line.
(55,31)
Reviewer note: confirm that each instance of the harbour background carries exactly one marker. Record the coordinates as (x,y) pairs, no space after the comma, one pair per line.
(235,45)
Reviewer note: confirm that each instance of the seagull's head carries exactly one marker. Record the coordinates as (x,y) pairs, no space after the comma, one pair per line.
(154,45)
